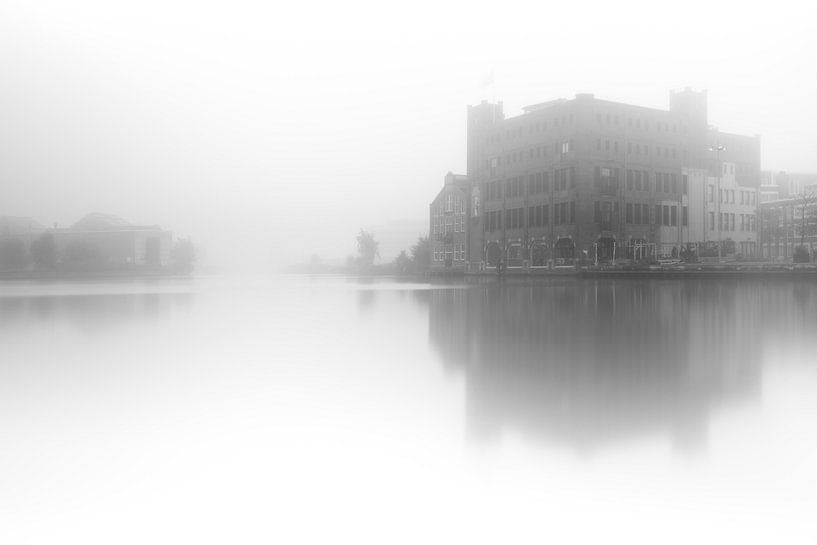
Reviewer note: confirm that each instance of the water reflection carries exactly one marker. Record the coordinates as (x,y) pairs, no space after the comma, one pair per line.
(595,362)
(89,312)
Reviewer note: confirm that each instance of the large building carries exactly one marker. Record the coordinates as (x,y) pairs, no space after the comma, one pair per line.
(95,241)
(601,180)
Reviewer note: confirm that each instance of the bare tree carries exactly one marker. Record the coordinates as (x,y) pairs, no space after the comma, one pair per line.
(367,248)
(421,254)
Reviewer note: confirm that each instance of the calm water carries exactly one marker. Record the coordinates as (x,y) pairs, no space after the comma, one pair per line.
(325,410)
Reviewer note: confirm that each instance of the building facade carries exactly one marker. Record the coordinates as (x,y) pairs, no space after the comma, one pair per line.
(598,180)
(785,224)
(450,214)
(97,241)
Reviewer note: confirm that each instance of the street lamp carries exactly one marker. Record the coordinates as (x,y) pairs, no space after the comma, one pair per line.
(718,148)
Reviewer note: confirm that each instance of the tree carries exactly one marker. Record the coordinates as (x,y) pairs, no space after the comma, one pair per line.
(183,256)
(804,201)
(402,263)
(44,251)
(367,249)
(12,254)
(421,254)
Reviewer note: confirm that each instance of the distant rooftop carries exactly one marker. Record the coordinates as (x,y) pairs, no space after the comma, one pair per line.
(100,222)
(19,224)
(543,105)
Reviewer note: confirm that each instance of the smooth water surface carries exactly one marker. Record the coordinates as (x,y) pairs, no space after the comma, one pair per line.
(325,410)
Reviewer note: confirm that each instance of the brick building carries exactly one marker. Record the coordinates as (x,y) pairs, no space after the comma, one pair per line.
(784,223)
(448,231)
(601,180)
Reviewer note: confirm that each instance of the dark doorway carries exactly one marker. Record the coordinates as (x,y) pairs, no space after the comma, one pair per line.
(493,254)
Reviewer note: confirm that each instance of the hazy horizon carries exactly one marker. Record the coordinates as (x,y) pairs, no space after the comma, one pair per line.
(270,134)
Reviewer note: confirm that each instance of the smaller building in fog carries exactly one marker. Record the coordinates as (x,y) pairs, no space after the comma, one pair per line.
(107,239)
(95,242)
(784,225)
(721,211)
(449,218)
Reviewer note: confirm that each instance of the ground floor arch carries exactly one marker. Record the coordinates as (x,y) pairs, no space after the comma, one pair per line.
(513,254)
(605,249)
(565,250)
(540,253)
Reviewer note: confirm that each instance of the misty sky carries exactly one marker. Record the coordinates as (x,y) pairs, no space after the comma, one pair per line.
(271,132)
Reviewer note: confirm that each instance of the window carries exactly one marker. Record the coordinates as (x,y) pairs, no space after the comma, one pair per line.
(665,218)
(684,184)
(711,221)
(673,215)
(645,214)
(684,216)
(629,212)
(637,214)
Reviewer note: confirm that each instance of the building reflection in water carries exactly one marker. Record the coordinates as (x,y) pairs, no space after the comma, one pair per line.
(92,313)
(596,362)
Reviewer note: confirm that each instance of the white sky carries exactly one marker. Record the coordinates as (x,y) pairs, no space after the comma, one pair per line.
(272,131)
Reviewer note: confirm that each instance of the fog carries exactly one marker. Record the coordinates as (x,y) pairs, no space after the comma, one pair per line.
(272,131)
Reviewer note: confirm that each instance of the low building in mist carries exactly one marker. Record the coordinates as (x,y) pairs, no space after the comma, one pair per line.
(793,184)
(97,241)
(22,229)
(109,239)
(786,223)
(450,213)
(602,180)
(719,209)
